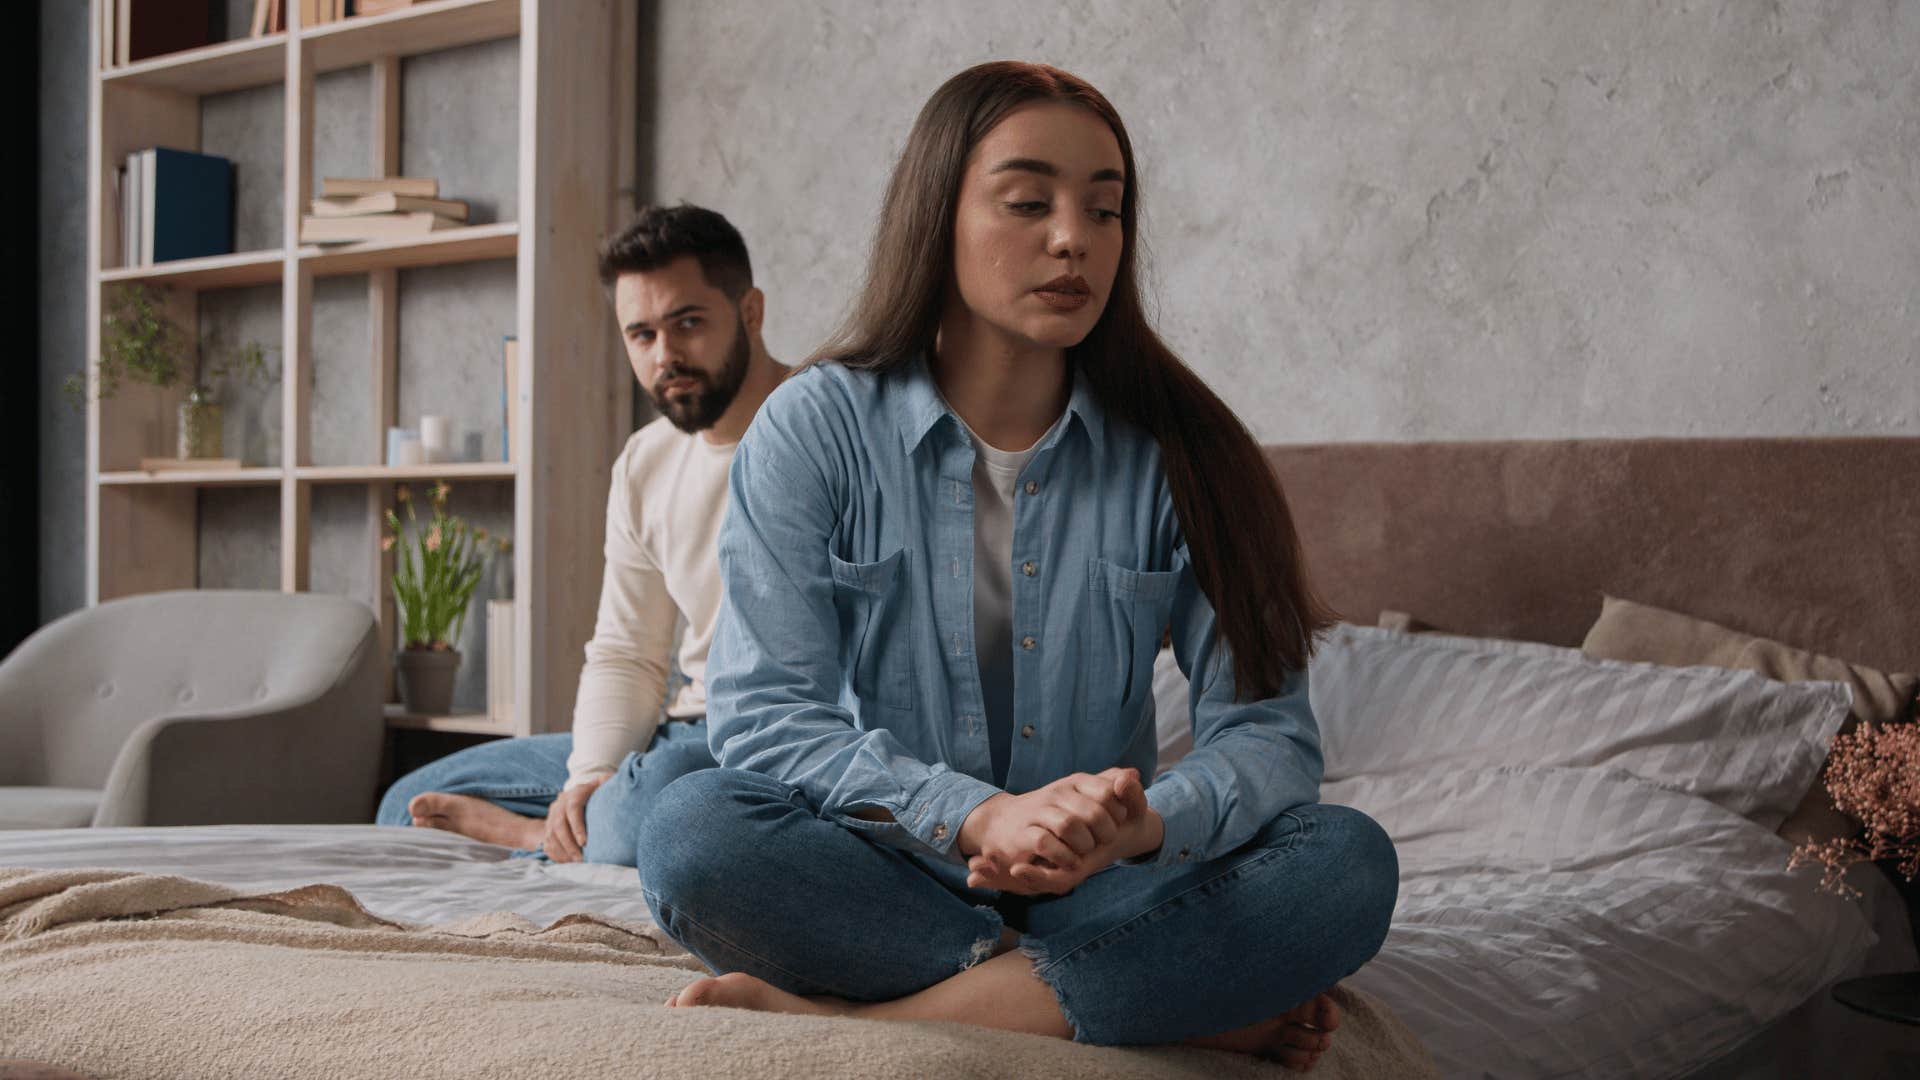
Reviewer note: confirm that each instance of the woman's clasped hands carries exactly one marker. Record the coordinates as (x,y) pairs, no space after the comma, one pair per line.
(1051,839)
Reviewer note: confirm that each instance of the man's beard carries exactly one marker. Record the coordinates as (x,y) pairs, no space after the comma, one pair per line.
(700,410)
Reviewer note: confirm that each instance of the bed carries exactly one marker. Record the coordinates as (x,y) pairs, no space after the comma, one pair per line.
(1666,942)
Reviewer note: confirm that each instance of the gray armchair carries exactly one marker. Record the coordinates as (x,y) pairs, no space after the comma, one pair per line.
(199,707)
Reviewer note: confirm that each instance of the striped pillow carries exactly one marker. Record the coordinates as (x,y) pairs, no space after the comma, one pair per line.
(1389,702)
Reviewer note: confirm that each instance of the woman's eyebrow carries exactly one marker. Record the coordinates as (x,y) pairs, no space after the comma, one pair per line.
(1048,168)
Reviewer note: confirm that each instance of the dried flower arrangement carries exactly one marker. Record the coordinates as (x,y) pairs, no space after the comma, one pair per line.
(1874,775)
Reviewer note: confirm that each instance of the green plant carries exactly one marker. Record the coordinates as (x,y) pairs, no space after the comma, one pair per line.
(435,571)
(138,340)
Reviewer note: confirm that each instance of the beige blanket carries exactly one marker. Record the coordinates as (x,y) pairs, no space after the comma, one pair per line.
(116,974)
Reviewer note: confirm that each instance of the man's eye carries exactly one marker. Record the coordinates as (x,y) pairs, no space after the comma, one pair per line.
(643,336)
(1107,215)
(690,322)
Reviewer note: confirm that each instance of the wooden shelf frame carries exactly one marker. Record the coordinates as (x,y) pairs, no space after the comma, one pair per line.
(210,272)
(257,476)
(407,474)
(576,85)
(464,723)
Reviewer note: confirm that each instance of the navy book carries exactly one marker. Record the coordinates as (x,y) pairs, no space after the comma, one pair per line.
(189,204)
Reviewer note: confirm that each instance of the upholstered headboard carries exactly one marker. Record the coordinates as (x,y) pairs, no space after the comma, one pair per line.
(1811,541)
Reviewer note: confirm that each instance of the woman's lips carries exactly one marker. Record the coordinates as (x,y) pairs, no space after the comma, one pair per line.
(1063,301)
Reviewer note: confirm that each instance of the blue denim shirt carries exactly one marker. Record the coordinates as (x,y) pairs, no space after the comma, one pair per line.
(843,660)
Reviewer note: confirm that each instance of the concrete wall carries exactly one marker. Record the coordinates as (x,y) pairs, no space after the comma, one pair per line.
(1370,221)
(1484,219)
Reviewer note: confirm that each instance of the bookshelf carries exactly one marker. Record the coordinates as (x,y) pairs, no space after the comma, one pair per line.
(572,147)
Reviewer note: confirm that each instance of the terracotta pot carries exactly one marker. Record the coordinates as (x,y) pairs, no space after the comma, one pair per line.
(426,679)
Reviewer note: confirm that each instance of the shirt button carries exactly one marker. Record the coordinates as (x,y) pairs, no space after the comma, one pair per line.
(1027,732)
(1028,568)
(1027,642)
(1033,488)
(940,833)
(1183,854)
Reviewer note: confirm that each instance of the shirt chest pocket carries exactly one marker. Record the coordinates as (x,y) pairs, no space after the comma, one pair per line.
(1127,610)
(875,606)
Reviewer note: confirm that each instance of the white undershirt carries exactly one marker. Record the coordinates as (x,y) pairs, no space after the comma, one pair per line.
(996,478)
(665,505)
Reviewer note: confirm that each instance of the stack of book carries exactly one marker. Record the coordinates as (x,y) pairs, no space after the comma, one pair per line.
(350,210)
(174,204)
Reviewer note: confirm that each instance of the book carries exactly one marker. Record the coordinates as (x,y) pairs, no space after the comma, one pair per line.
(179,205)
(347,230)
(423,187)
(386,202)
(379,7)
(510,398)
(157,27)
(262,10)
(500,658)
(129,228)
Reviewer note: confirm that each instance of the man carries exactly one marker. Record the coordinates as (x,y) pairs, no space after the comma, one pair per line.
(690,316)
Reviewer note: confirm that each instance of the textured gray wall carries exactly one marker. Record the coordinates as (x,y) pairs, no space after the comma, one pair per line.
(1398,220)
(63,304)
(1370,221)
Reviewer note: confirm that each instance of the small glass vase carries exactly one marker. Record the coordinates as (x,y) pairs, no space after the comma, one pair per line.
(199,426)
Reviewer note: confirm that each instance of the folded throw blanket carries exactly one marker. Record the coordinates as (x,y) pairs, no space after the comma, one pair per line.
(117,974)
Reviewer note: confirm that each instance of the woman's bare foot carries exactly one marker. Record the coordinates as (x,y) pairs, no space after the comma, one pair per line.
(478,818)
(738,990)
(1296,1038)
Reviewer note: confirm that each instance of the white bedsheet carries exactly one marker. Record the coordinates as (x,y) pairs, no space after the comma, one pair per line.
(418,875)
(1550,923)
(1581,922)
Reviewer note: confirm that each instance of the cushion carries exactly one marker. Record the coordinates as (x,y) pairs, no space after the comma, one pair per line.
(1389,702)
(1627,630)
(1175,726)
(47,807)
(1408,624)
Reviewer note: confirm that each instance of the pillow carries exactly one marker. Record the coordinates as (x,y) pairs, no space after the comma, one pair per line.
(1631,631)
(1390,703)
(1407,624)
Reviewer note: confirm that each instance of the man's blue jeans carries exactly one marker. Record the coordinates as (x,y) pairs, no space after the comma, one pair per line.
(743,871)
(525,774)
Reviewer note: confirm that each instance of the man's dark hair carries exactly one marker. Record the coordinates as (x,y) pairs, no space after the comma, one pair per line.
(661,234)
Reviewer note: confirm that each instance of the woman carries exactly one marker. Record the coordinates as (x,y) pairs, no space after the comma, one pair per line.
(953,543)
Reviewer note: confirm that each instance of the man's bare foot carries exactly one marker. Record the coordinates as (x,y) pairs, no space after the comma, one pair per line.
(478,818)
(1296,1038)
(739,990)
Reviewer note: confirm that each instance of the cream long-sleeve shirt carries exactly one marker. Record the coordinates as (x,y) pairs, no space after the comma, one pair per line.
(665,504)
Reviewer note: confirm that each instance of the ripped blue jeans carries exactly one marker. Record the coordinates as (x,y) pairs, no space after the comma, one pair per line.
(741,870)
(526,774)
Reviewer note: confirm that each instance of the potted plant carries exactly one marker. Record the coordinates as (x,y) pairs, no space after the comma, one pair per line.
(138,340)
(435,571)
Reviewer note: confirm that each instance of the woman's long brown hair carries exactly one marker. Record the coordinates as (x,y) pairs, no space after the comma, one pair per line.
(1239,532)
